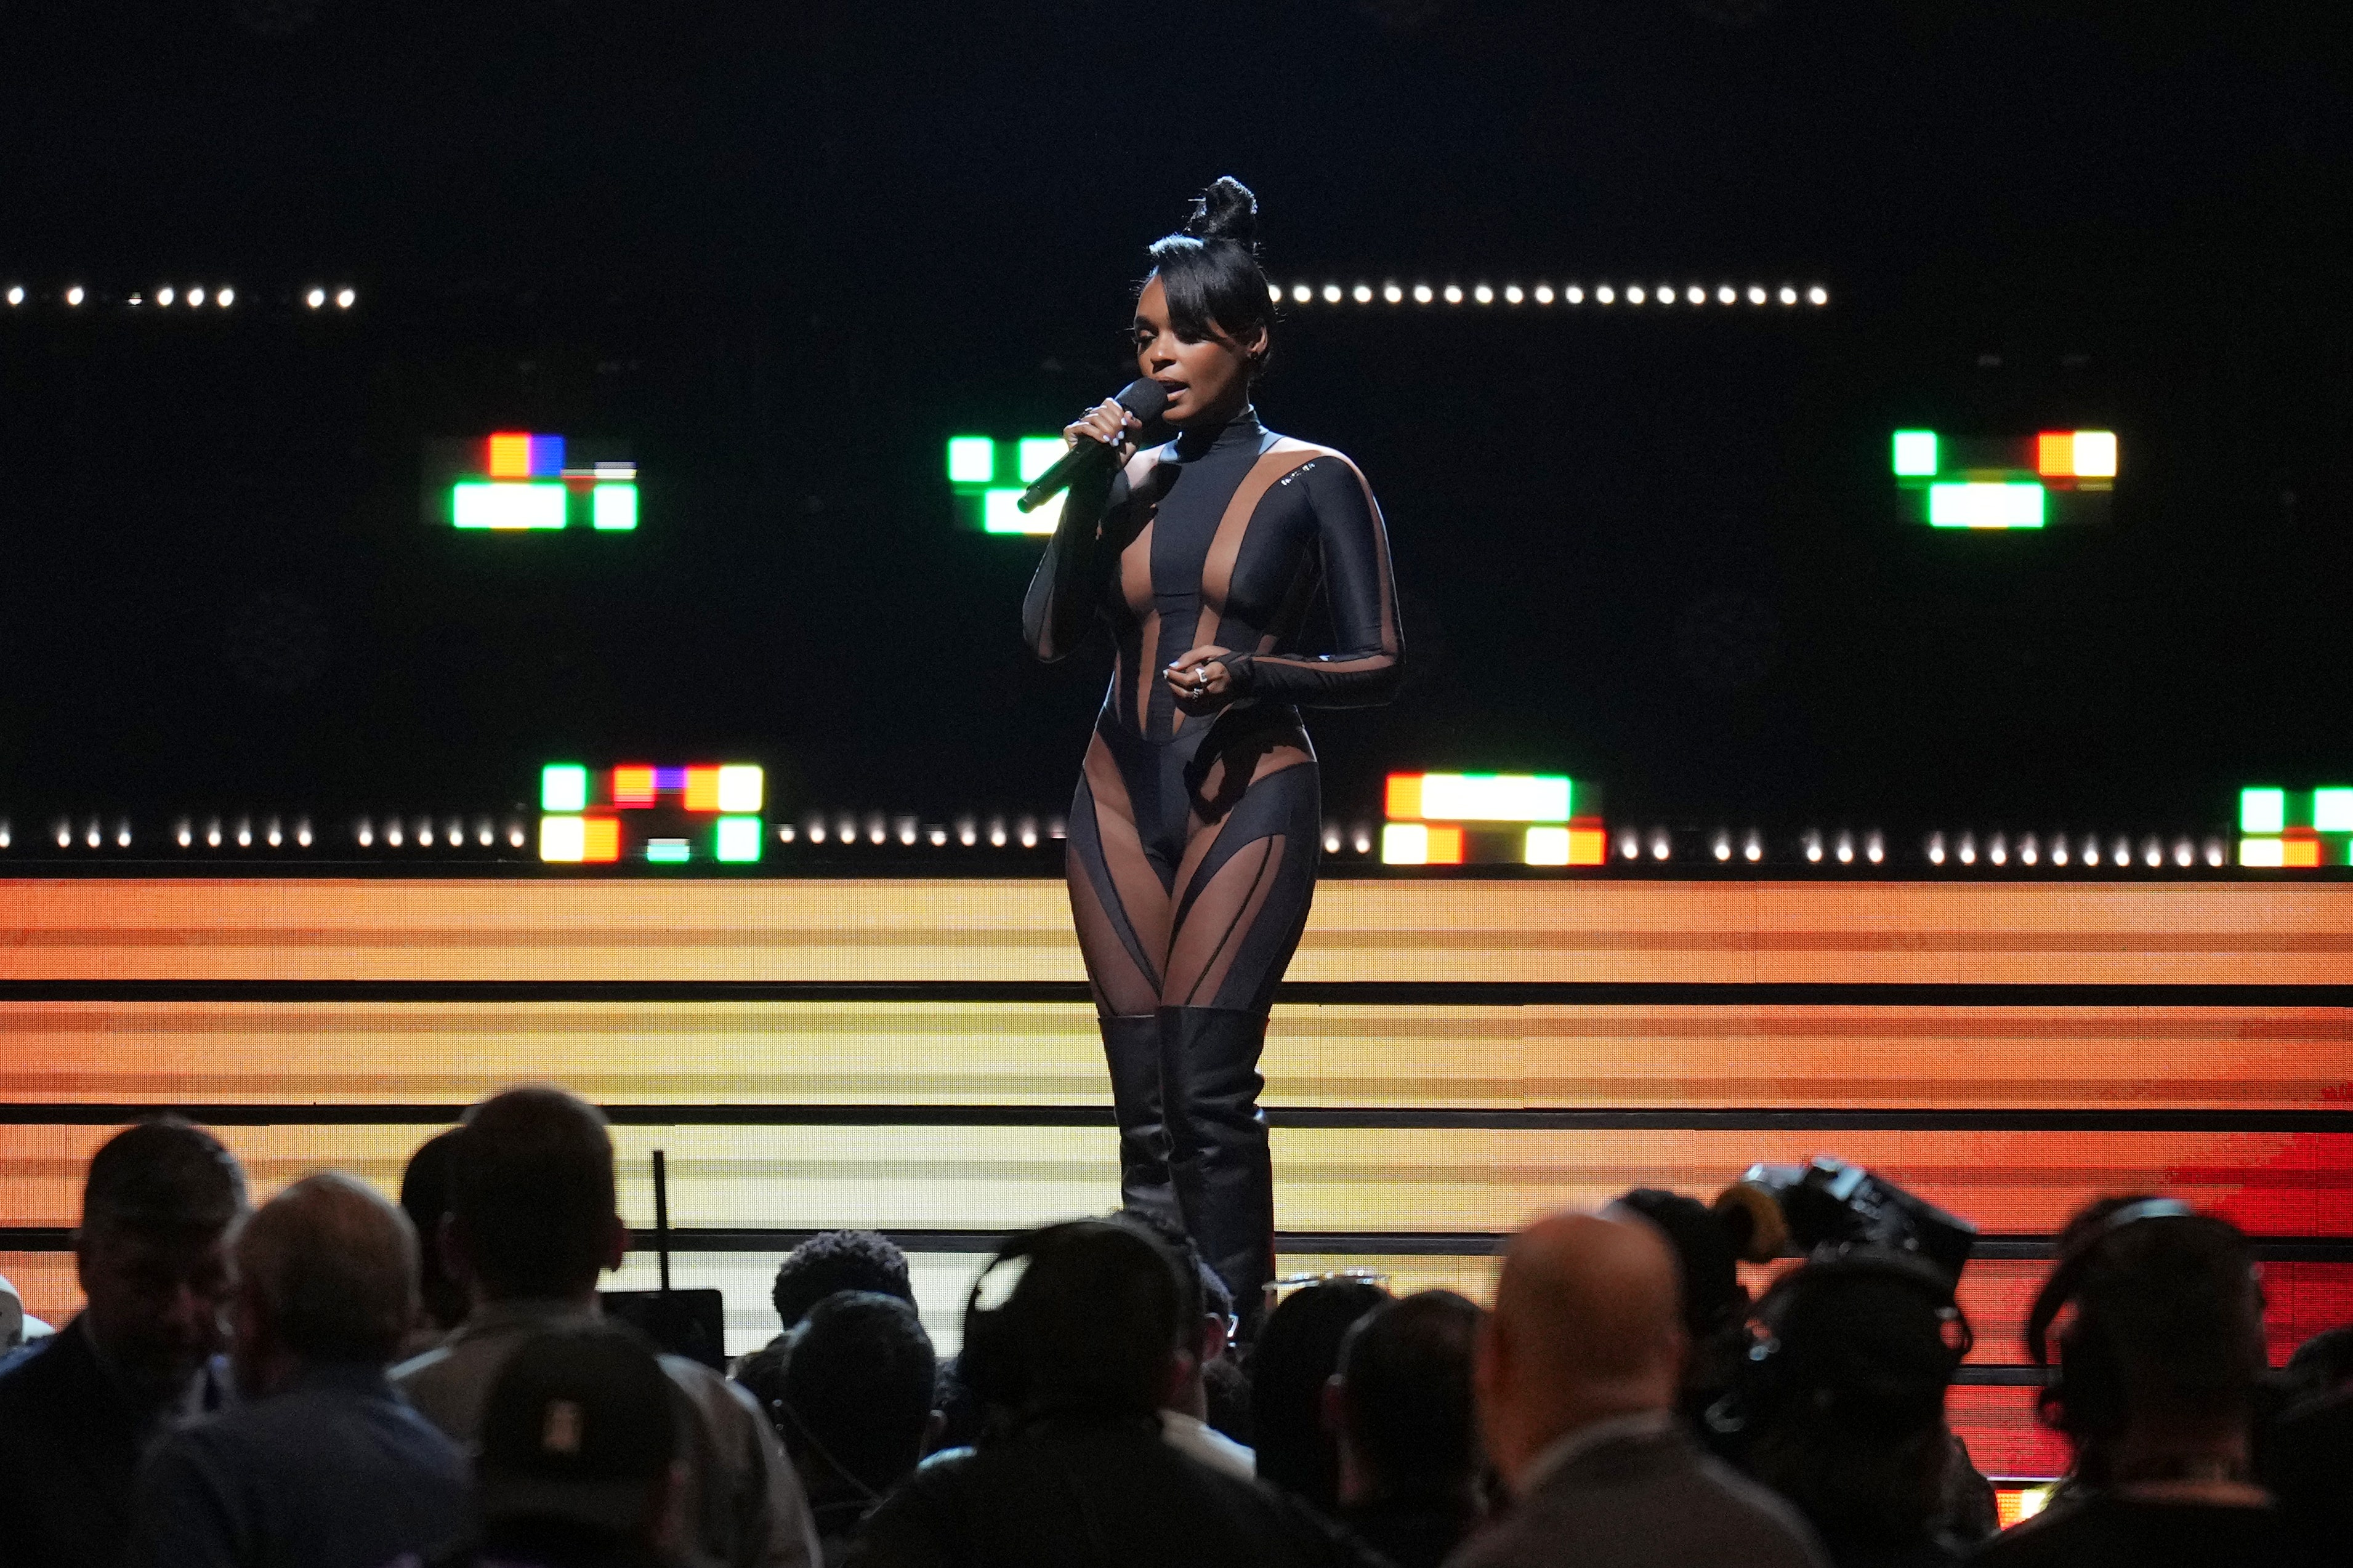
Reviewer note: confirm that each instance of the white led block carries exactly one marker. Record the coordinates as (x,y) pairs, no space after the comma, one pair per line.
(1985,506)
(563,837)
(1405,844)
(1546,847)
(497,504)
(999,513)
(1494,797)
(741,787)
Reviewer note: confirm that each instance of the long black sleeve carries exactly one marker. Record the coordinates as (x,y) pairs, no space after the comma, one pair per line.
(1067,589)
(1361,591)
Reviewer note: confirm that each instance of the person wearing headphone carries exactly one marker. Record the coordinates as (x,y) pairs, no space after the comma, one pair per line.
(2155,1387)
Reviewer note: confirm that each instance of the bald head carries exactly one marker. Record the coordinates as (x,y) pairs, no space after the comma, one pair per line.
(326,1272)
(1587,1326)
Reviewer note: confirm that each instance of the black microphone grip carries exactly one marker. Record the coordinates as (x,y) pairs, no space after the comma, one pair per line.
(1145,398)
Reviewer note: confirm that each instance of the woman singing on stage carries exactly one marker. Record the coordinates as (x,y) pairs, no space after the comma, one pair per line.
(1197,821)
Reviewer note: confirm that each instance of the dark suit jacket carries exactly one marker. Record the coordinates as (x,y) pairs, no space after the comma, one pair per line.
(69,1451)
(1644,1502)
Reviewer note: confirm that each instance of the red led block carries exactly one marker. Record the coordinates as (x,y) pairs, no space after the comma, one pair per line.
(702,789)
(600,838)
(1445,844)
(510,456)
(633,786)
(2054,454)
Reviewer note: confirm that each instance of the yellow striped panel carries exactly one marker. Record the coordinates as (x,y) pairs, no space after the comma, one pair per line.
(1048,1054)
(1385,930)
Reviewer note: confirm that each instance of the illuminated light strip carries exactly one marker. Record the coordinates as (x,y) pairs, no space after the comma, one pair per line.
(507,505)
(1420,844)
(2074,454)
(1480,798)
(1544,293)
(1977,505)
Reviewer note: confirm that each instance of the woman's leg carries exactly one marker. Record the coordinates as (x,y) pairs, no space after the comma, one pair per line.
(1243,899)
(1120,911)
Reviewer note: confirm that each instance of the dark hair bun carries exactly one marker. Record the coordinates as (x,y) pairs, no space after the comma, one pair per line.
(1225,210)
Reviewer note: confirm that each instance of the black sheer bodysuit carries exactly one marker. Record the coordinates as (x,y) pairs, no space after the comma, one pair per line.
(1194,837)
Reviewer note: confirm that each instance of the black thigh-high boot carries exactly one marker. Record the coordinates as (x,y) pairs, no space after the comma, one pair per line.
(1132,1047)
(1218,1152)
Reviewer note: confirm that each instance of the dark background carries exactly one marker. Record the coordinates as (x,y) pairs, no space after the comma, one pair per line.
(783,251)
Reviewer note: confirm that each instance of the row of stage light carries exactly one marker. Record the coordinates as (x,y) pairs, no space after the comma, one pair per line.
(1544,294)
(168,296)
(511,834)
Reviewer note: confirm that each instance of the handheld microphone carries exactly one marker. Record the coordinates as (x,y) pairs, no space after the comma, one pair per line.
(1145,398)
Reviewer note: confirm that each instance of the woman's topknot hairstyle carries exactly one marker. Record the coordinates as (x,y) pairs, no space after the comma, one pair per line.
(1209,270)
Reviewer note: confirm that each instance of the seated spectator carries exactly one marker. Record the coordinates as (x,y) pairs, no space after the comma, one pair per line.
(77,1414)
(533,1223)
(580,1463)
(852,1402)
(1184,1419)
(1400,1407)
(825,1263)
(323,1464)
(425,1198)
(1091,1334)
(1846,1416)
(1579,1372)
(2158,1378)
(1298,1351)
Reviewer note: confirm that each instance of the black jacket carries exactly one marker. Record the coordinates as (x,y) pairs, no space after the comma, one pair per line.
(71,1445)
(1091,1495)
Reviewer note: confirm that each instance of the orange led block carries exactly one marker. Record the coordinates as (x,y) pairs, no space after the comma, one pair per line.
(600,839)
(702,789)
(2054,454)
(1587,845)
(1445,845)
(1404,804)
(510,456)
(633,785)
(2300,850)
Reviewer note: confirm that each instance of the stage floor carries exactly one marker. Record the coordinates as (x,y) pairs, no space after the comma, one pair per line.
(1449,1059)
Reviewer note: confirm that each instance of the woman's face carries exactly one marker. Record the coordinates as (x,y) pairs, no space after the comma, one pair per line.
(1206,379)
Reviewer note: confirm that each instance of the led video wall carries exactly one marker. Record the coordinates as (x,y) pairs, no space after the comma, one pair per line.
(520,481)
(2004,483)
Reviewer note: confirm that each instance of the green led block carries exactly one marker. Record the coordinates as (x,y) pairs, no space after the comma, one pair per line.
(1915,453)
(1038,453)
(1001,513)
(666,851)
(2263,810)
(1985,506)
(506,506)
(2332,810)
(613,508)
(564,786)
(737,840)
(972,459)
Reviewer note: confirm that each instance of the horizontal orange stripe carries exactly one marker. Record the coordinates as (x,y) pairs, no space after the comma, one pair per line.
(1048,1054)
(1326,1179)
(1380,929)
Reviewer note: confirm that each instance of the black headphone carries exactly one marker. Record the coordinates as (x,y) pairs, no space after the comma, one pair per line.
(2087,1379)
(1765,1384)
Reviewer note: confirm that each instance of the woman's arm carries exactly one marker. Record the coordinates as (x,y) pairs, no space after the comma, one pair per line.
(1066,589)
(1362,592)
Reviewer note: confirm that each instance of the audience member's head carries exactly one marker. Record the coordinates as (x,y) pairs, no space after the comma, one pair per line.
(425,1198)
(1846,1415)
(580,1451)
(326,1273)
(1401,1402)
(834,1261)
(1091,1324)
(1588,1326)
(853,1403)
(157,1209)
(1298,1351)
(531,1204)
(2159,1368)
(1206,1304)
